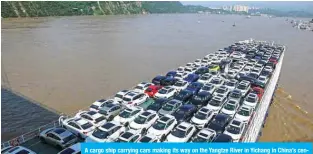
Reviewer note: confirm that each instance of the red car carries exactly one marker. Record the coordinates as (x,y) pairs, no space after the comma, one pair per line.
(273,60)
(152,90)
(259,91)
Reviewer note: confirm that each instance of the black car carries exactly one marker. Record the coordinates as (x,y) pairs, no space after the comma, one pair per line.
(185,112)
(223,138)
(200,99)
(183,95)
(219,123)
(202,70)
(157,105)
(157,80)
(169,81)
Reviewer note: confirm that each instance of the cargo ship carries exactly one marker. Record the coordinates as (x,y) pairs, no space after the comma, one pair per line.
(235,85)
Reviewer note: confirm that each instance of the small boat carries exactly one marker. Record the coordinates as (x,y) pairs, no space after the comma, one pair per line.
(234,25)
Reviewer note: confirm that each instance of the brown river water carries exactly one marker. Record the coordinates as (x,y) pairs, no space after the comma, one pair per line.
(63,64)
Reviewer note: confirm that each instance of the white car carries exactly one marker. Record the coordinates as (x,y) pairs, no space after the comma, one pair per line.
(182,133)
(79,126)
(100,103)
(205,78)
(251,99)
(222,90)
(128,115)
(216,104)
(263,80)
(232,74)
(235,129)
(230,108)
(190,65)
(73,149)
(180,76)
(162,127)
(244,113)
(165,92)
(209,87)
(180,85)
(108,132)
(197,61)
(237,55)
(214,73)
(243,87)
(180,69)
(120,95)
(190,70)
(217,82)
(141,87)
(149,138)
(134,99)
(204,136)
(93,117)
(144,121)
(202,117)
(130,136)
(231,84)
(17,150)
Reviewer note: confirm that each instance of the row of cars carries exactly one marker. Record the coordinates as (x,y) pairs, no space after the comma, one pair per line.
(209,100)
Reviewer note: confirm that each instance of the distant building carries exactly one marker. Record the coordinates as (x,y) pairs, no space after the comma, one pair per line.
(240,8)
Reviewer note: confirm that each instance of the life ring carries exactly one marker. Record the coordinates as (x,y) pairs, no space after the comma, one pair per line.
(14,142)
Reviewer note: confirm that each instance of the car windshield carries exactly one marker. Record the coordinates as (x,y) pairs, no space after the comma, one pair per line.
(168,107)
(243,112)
(231,84)
(199,139)
(139,87)
(215,81)
(221,91)
(86,125)
(100,119)
(235,95)
(179,84)
(104,112)
(69,138)
(215,102)
(207,88)
(178,133)
(159,125)
(200,115)
(126,99)
(162,91)
(148,89)
(213,73)
(100,134)
(233,129)
(251,99)
(241,87)
(94,106)
(229,107)
(125,114)
(140,120)
(119,96)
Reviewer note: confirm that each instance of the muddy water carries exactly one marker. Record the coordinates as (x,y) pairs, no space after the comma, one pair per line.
(67,63)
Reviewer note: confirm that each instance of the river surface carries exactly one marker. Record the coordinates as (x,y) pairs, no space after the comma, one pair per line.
(66,63)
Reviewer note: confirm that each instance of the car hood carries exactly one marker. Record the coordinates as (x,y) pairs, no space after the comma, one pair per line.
(198,121)
(155,132)
(94,139)
(134,125)
(229,112)
(242,118)
(234,136)
(163,112)
(121,120)
(172,138)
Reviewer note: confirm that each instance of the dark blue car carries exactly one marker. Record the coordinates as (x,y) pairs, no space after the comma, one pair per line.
(157,80)
(171,74)
(192,78)
(183,95)
(194,87)
(168,81)
(185,112)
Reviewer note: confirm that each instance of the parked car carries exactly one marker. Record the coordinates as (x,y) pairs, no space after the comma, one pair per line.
(259,91)
(144,121)
(217,82)
(79,126)
(152,90)
(219,123)
(127,115)
(108,132)
(202,71)
(244,87)
(58,137)
(205,78)
(194,87)
(222,90)
(205,135)
(73,149)
(209,87)
(244,113)
(223,138)
(17,150)
(134,99)
(230,108)
(180,85)
(231,84)
(120,95)
(100,103)
(149,138)
(252,100)
(169,81)
(141,87)
(216,103)
(182,133)
(170,107)
(129,136)
(157,105)
(171,74)
(165,92)
(109,111)
(162,127)
(235,129)
(185,112)
(157,80)
(202,117)
(192,78)
(183,96)
(200,99)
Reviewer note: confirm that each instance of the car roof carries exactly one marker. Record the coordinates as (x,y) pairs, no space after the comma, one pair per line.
(166,118)
(184,125)
(187,106)
(108,125)
(206,132)
(71,149)
(81,121)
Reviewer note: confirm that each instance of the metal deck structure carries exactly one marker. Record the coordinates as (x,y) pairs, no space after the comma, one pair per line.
(252,133)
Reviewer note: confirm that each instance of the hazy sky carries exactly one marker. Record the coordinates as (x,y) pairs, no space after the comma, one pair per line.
(307,6)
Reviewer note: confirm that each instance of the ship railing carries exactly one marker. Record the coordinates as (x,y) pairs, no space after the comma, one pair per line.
(257,120)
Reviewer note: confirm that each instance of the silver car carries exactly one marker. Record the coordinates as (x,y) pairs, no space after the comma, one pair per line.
(170,107)
(110,110)
(59,137)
